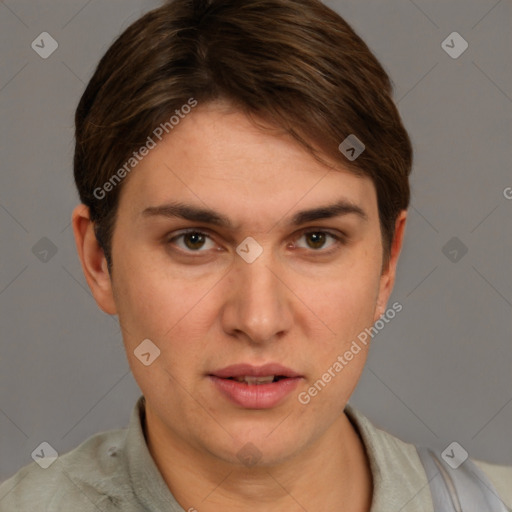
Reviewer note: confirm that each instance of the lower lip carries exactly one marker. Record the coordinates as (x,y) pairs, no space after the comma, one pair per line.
(255,396)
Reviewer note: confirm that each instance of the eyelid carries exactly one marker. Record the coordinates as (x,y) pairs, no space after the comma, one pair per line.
(182,232)
(339,237)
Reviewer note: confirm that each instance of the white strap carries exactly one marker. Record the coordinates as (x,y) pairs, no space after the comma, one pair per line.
(465,489)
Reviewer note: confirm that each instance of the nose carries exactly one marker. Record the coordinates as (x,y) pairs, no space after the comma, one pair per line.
(258,307)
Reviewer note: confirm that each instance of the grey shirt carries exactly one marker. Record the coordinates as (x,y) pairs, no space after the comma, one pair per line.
(114,471)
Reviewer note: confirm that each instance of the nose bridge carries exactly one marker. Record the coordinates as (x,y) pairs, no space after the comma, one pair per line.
(259,282)
(260,298)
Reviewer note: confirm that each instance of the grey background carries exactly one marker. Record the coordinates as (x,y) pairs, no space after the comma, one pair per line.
(439,372)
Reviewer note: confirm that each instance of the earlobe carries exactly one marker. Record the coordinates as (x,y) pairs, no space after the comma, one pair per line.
(92,259)
(387,280)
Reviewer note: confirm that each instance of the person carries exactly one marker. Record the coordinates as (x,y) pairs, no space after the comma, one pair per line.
(244,182)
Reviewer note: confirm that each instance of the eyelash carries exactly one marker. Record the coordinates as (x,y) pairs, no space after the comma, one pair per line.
(339,240)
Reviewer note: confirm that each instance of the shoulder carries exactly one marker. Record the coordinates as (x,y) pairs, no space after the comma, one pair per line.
(399,481)
(81,480)
(396,466)
(500,477)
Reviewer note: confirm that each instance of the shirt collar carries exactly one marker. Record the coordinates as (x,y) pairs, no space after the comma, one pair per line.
(147,482)
(399,480)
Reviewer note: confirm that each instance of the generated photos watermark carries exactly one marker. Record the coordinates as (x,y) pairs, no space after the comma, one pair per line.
(343,360)
(158,133)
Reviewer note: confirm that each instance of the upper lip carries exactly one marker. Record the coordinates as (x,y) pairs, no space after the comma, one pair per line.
(242,370)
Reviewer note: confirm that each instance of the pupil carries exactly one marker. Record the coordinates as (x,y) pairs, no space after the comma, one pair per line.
(318,239)
(196,238)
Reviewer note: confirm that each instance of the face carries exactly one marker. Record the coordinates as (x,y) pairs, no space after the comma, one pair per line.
(253,270)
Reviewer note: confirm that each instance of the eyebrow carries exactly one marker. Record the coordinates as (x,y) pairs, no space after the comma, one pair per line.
(209,216)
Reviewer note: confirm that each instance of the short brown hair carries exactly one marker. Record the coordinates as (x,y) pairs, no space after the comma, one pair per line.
(294,63)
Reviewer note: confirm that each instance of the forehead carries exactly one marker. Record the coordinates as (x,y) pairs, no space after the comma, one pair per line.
(218,158)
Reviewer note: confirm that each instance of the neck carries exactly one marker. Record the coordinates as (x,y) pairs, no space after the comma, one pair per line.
(332,472)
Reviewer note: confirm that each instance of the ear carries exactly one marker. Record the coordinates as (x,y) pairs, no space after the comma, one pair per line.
(387,279)
(92,258)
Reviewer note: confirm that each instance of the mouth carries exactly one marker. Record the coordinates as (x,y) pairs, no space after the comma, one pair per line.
(249,380)
(255,387)
(247,371)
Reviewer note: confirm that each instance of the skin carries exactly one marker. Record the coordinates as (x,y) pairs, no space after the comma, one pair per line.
(206,308)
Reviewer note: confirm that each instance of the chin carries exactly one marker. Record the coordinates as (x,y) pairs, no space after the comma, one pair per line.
(257,447)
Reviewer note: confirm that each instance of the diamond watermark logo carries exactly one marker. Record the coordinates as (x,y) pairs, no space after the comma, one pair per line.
(454,45)
(454,455)
(351,147)
(44,249)
(44,45)
(45,455)
(249,249)
(454,249)
(146,352)
(249,455)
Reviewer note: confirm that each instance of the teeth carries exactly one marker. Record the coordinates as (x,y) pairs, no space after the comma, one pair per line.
(255,380)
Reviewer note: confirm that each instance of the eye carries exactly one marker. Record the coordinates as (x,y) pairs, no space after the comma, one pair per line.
(192,241)
(317,239)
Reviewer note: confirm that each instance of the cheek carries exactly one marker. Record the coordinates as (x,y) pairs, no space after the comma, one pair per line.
(170,309)
(347,308)
(147,300)
(346,301)
(143,305)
